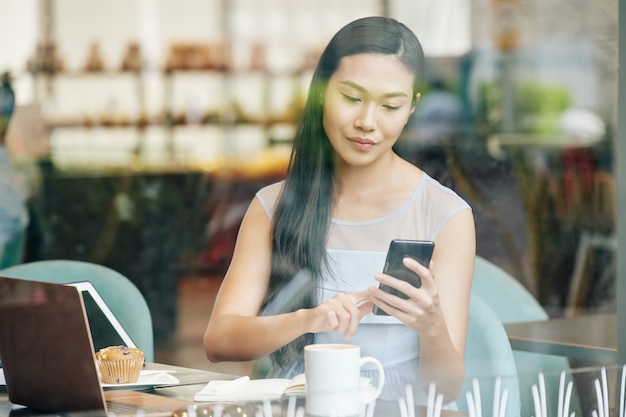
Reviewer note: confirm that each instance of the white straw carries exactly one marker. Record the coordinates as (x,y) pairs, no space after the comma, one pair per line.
(430,404)
(622,401)
(605,391)
(267,407)
(470,404)
(542,391)
(402,406)
(599,398)
(496,398)
(505,397)
(561,408)
(478,403)
(568,398)
(410,402)
(536,401)
(217,410)
(291,407)
(438,405)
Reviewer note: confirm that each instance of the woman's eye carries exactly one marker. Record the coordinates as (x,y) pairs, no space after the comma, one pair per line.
(350,98)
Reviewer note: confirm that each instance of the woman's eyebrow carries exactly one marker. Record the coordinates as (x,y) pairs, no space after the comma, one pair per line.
(363,90)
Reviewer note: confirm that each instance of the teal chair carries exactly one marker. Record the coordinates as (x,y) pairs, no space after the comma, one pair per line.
(510,300)
(121,295)
(513,303)
(13,252)
(488,356)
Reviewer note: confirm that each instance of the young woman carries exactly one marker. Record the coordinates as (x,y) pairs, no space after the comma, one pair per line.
(310,250)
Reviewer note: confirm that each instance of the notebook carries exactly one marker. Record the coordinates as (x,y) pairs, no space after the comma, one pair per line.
(48,356)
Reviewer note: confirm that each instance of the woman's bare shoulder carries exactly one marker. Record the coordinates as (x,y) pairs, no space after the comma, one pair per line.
(268,197)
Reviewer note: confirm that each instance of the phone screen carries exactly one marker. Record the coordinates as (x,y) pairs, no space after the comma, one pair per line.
(420,250)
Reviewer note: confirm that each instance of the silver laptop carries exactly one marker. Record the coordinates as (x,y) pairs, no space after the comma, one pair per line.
(47,351)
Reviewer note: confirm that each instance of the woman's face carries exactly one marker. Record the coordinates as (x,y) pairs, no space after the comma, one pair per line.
(367,104)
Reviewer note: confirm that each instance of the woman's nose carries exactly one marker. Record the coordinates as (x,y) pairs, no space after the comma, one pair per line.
(366,119)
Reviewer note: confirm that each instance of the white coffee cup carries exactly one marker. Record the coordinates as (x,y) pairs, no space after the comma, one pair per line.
(333,380)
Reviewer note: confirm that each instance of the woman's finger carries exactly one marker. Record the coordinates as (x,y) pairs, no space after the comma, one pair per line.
(424,273)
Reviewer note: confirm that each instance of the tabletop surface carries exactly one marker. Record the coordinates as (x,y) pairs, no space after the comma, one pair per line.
(589,337)
(177,401)
(165,399)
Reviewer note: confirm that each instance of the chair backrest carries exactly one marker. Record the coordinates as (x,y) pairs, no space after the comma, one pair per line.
(492,283)
(121,295)
(13,251)
(488,355)
(513,303)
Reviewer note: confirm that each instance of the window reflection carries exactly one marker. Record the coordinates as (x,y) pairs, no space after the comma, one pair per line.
(523,128)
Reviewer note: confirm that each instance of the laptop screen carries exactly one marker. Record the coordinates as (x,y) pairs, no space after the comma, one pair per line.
(106,330)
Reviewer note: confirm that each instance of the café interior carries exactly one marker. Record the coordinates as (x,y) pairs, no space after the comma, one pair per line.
(142,129)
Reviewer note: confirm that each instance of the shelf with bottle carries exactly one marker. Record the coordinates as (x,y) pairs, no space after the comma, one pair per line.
(187,100)
(192,90)
(169,120)
(188,114)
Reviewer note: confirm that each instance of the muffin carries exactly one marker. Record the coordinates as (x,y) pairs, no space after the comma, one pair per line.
(119,364)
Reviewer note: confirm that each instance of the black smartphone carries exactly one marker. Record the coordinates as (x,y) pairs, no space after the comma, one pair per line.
(420,250)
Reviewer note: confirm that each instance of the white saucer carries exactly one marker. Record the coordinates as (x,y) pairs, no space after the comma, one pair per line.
(148,379)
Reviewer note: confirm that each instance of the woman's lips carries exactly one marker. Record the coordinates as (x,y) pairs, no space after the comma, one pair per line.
(362,143)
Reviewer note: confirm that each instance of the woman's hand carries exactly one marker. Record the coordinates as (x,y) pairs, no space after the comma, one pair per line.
(340,314)
(421,311)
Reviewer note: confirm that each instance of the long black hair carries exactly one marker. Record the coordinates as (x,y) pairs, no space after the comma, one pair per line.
(303,211)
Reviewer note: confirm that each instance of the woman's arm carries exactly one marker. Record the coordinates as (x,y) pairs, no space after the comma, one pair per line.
(439,309)
(235,332)
(442,350)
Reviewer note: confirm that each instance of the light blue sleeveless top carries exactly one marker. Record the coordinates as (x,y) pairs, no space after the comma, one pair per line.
(356,252)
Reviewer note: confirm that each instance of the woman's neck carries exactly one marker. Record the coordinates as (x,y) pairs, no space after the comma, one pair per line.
(367,177)
(364,193)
